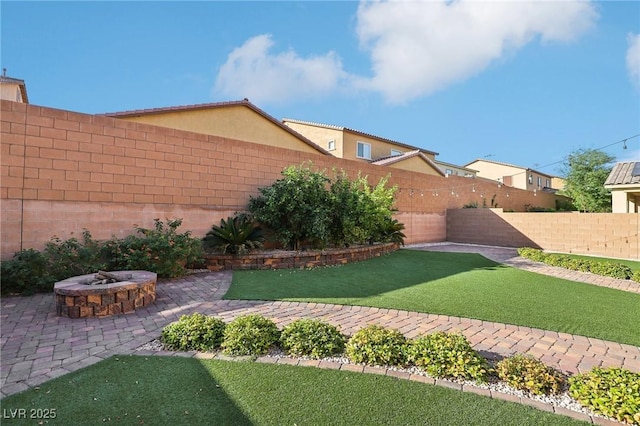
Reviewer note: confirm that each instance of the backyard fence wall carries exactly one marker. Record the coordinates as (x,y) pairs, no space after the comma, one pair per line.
(598,234)
(63,172)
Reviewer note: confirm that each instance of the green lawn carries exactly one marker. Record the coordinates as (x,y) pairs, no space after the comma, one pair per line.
(457,284)
(136,390)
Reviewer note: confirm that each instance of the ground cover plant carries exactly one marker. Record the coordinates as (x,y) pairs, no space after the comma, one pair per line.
(528,373)
(457,284)
(250,335)
(622,269)
(311,338)
(195,332)
(175,390)
(614,392)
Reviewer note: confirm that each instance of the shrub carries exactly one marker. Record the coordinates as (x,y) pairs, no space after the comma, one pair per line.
(236,235)
(377,345)
(72,257)
(444,354)
(312,338)
(527,373)
(607,269)
(250,335)
(27,273)
(636,276)
(196,332)
(392,232)
(308,207)
(295,207)
(161,249)
(614,392)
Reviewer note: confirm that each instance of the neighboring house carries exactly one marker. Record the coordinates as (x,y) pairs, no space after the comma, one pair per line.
(13,89)
(624,183)
(351,144)
(239,120)
(452,169)
(414,161)
(514,176)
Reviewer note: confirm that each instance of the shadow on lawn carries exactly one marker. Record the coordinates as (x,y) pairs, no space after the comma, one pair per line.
(133,390)
(398,270)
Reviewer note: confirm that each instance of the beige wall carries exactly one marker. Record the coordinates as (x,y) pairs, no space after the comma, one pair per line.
(321,136)
(512,176)
(415,164)
(624,202)
(598,234)
(10,92)
(233,122)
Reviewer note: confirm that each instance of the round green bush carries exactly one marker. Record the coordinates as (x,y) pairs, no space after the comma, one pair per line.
(312,338)
(614,392)
(527,373)
(444,354)
(196,332)
(377,345)
(250,335)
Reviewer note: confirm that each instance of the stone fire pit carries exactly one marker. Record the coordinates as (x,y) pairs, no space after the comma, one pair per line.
(80,297)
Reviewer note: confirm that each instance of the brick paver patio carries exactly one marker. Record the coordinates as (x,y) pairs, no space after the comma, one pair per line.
(37,345)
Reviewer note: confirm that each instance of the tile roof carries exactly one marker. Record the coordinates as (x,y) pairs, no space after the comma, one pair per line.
(357,132)
(625,173)
(245,102)
(10,80)
(405,156)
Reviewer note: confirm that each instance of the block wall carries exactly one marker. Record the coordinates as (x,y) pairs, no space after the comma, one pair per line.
(64,171)
(598,234)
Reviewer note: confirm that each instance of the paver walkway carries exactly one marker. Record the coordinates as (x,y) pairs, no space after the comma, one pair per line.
(37,345)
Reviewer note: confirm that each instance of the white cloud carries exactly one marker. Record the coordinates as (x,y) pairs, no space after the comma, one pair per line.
(416,48)
(252,71)
(421,47)
(633,58)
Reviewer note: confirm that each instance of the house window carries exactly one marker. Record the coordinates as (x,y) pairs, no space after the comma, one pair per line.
(548,184)
(530,179)
(396,152)
(331,145)
(539,181)
(449,172)
(363,150)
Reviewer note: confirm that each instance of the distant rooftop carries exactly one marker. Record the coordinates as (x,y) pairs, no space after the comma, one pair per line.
(357,132)
(624,173)
(4,79)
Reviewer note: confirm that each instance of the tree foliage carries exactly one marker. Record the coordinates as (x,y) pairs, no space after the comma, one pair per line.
(308,207)
(586,171)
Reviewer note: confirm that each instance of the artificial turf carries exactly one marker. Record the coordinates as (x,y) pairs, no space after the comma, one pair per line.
(457,284)
(151,390)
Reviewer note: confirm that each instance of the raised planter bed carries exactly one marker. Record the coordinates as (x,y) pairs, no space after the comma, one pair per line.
(280,259)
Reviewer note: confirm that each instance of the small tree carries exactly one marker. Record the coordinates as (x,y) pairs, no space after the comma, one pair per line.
(295,207)
(586,171)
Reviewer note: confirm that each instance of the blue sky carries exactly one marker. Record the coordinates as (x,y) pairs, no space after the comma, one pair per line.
(521,82)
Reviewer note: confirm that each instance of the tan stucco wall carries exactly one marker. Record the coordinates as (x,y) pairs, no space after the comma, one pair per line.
(233,122)
(415,164)
(624,201)
(379,149)
(321,136)
(10,92)
(519,177)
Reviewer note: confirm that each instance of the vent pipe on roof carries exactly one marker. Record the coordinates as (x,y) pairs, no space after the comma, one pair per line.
(4,72)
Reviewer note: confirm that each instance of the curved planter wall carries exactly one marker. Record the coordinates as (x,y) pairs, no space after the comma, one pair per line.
(297,260)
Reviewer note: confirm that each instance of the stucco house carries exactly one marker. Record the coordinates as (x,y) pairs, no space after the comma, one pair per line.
(512,175)
(455,170)
(13,89)
(352,144)
(624,183)
(239,120)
